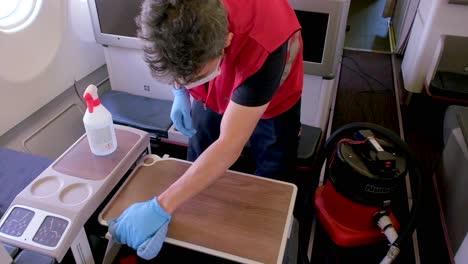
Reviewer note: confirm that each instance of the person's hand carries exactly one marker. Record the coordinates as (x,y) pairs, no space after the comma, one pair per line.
(143,227)
(180,112)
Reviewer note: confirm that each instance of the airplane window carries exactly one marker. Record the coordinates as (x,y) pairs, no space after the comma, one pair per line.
(17,14)
(7,7)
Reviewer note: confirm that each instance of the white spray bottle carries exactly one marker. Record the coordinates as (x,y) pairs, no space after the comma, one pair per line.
(98,124)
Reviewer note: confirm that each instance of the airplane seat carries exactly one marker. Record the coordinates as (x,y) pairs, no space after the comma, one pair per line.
(15,176)
(28,256)
(153,115)
(453,172)
(306,173)
(148,114)
(309,140)
(306,177)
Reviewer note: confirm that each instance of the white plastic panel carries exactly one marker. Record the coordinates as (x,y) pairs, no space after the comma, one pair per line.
(81,20)
(316,100)
(128,72)
(424,9)
(440,18)
(403,18)
(410,55)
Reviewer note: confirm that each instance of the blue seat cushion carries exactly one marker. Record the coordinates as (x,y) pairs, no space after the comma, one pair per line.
(17,170)
(28,257)
(148,114)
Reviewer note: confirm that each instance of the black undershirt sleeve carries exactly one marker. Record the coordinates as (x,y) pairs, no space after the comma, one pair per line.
(259,88)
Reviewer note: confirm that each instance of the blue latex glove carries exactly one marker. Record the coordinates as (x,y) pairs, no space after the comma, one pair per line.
(143,227)
(180,112)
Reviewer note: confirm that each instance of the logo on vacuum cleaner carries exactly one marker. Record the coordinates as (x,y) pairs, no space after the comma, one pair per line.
(374,189)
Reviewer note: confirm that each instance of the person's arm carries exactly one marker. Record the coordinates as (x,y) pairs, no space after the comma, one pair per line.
(237,126)
(247,105)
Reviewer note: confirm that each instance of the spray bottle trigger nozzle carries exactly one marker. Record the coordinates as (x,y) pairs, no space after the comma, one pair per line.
(88,97)
(91,102)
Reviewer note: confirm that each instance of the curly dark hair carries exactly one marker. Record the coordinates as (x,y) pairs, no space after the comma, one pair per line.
(181,36)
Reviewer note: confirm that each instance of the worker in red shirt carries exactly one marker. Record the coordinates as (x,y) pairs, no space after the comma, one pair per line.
(241,60)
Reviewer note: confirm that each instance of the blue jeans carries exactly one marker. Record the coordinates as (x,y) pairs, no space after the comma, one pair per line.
(273,143)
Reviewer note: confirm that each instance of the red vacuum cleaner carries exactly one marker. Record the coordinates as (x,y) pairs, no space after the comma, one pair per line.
(365,168)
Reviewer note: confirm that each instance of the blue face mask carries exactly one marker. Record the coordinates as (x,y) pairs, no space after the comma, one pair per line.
(206,79)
